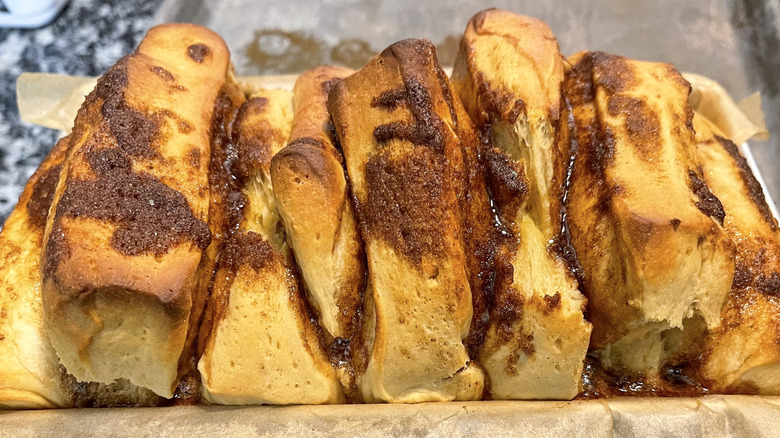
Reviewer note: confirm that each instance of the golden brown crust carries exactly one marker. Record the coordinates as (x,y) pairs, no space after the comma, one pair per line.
(314,201)
(644,224)
(398,129)
(131,211)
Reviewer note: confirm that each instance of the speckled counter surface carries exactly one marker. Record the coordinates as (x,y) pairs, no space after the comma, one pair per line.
(86,39)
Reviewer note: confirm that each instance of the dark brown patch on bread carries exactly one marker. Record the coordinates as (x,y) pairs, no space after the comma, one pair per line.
(198,52)
(508,182)
(612,71)
(134,131)
(707,203)
(426,128)
(416,58)
(498,102)
(676,381)
(641,123)
(405,204)
(163,73)
(485,236)
(42,196)
(551,302)
(389,99)
(328,85)
(248,249)
(768,284)
(252,140)
(675,223)
(120,393)
(508,311)
(150,216)
(193,157)
(579,90)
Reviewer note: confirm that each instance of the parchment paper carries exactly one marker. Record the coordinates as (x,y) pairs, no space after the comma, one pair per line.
(714,416)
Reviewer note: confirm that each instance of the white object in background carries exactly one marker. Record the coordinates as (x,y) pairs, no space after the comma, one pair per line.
(29,13)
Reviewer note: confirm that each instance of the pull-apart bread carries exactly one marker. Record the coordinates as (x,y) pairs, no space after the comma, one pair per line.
(656,263)
(259,342)
(743,355)
(508,74)
(128,227)
(29,370)
(397,123)
(532,228)
(315,205)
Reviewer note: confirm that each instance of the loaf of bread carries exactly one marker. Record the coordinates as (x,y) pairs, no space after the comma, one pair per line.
(656,263)
(397,124)
(508,74)
(127,227)
(743,353)
(315,205)
(259,343)
(532,228)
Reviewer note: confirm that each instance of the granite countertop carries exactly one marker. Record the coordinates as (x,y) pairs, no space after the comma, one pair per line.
(86,39)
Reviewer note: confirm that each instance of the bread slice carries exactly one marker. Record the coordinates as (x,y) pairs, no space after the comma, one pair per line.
(315,205)
(260,345)
(743,355)
(29,369)
(30,373)
(128,224)
(221,161)
(656,263)
(397,125)
(508,74)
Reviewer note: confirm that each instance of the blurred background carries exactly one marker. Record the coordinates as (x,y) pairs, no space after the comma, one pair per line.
(735,42)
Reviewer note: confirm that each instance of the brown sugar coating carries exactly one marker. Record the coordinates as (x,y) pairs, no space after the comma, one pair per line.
(198,52)
(136,203)
(248,249)
(42,195)
(498,100)
(707,203)
(404,202)
(507,180)
(425,130)
(642,124)
(252,147)
(134,131)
